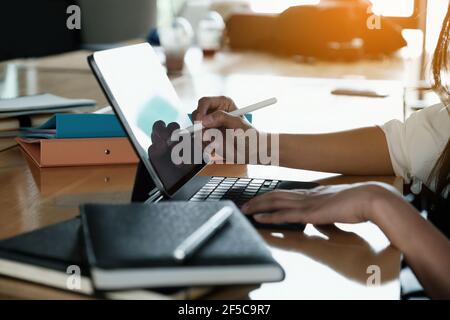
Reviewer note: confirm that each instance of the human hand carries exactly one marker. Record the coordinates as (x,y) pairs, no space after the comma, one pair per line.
(322,205)
(161,138)
(242,146)
(160,153)
(213,112)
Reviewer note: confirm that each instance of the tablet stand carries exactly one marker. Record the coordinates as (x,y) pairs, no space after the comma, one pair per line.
(144,188)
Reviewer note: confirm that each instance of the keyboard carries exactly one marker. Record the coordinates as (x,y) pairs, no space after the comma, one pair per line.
(238,190)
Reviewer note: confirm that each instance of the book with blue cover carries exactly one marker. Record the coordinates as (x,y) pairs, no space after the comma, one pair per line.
(77,140)
(77,126)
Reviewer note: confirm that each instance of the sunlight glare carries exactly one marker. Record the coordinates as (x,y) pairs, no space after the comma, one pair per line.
(403,8)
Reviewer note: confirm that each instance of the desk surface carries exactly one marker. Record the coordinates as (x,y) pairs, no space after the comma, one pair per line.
(329,262)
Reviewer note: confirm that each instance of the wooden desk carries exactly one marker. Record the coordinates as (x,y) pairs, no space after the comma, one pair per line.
(319,263)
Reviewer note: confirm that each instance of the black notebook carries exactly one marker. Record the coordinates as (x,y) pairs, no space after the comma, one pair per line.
(44,256)
(130,246)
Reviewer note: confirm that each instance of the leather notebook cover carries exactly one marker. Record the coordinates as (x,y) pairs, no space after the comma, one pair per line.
(43,256)
(132,245)
(78,152)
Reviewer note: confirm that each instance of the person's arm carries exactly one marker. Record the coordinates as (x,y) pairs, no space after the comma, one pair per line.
(426,249)
(356,152)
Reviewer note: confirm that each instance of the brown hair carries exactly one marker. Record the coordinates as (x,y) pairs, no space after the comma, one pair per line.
(441,171)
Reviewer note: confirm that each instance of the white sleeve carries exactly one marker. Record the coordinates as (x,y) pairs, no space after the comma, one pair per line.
(416,144)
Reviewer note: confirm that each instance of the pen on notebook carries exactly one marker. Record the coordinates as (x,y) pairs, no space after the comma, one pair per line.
(238,112)
(202,234)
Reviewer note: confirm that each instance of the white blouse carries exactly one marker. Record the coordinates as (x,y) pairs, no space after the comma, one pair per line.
(417,144)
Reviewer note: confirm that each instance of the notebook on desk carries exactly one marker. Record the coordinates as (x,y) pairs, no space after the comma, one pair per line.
(131,246)
(40,103)
(43,256)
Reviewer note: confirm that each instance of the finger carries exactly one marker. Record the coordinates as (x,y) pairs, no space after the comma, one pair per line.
(269,205)
(195,115)
(159,130)
(283,216)
(159,126)
(171,127)
(220,118)
(204,104)
(312,213)
(209,104)
(270,196)
(158,146)
(157,137)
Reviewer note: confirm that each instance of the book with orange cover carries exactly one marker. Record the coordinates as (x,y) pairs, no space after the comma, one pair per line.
(78,152)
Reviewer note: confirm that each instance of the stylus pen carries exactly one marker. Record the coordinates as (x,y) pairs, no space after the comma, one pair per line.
(202,234)
(238,112)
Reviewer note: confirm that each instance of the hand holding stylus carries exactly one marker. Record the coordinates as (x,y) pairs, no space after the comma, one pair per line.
(217,112)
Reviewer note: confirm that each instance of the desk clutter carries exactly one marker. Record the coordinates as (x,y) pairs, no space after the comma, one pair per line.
(27,111)
(40,104)
(77,140)
(127,251)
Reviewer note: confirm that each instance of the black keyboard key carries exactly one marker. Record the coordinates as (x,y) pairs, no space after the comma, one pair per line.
(260,181)
(249,194)
(222,187)
(267,183)
(241,184)
(213,197)
(219,194)
(239,190)
(226,184)
(203,190)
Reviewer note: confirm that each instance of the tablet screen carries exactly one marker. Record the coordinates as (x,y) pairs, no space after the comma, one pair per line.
(148,107)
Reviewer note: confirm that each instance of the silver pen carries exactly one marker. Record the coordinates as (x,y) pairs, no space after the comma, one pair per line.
(196,239)
(237,113)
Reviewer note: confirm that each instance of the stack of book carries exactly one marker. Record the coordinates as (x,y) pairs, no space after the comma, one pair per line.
(127,252)
(77,140)
(34,110)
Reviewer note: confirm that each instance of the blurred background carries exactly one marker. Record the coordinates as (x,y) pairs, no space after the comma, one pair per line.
(36,28)
(305,30)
